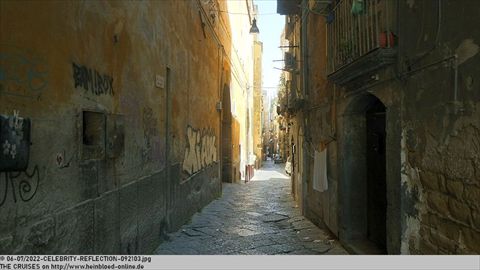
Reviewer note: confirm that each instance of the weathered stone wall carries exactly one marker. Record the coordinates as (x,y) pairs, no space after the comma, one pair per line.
(241,58)
(92,77)
(321,207)
(440,127)
(433,131)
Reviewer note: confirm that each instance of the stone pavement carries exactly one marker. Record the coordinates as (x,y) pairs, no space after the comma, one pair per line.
(256,218)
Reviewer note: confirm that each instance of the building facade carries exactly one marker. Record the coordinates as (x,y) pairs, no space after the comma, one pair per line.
(388,122)
(116,120)
(243,63)
(257,103)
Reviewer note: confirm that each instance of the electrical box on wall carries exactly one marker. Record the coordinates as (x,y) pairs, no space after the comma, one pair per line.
(103,135)
(14,142)
(93,135)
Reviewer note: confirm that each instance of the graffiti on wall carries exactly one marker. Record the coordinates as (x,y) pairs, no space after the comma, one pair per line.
(149,124)
(200,151)
(23,184)
(22,74)
(92,81)
(14,156)
(150,131)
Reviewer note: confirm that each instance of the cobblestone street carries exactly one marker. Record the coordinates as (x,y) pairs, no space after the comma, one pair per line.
(256,218)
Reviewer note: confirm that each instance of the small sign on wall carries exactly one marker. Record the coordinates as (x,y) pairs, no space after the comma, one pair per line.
(159,81)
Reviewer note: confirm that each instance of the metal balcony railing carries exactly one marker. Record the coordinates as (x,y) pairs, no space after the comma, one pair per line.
(356,28)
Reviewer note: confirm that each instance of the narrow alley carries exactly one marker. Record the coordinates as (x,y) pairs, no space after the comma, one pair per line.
(240,127)
(256,218)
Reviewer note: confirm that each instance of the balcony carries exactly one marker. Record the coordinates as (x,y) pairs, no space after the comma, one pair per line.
(290,62)
(289,102)
(282,104)
(360,38)
(288,7)
(295,102)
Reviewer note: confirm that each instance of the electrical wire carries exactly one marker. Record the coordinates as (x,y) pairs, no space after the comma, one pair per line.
(238,13)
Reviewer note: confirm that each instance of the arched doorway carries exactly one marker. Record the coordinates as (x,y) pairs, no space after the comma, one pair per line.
(226,136)
(376,175)
(300,169)
(293,160)
(363,182)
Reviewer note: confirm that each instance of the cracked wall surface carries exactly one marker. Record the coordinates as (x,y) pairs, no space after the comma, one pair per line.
(441,132)
(432,97)
(101,83)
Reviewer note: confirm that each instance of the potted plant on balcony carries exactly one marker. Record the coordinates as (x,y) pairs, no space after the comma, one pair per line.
(387,39)
(357,7)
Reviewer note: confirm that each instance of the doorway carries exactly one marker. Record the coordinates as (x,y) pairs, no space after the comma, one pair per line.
(363,180)
(376,175)
(226,136)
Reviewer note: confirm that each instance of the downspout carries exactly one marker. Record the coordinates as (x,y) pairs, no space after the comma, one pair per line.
(248,9)
(397,66)
(398,229)
(306,133)
(304,47)
(455,87)
(221,115)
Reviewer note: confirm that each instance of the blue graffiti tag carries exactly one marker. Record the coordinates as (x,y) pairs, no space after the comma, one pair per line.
(22,73)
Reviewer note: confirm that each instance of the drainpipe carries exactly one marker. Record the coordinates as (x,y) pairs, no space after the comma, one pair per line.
(221,115)
(249,15)
(455,87)
(303,43)
(397,64)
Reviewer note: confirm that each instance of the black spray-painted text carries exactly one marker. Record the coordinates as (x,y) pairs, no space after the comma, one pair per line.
(91,80)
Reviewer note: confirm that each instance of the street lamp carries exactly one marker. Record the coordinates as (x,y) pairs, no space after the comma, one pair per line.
(254,28)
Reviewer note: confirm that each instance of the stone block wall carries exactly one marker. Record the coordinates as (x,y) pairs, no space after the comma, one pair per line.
(433,129)
(440,128)
(105,85)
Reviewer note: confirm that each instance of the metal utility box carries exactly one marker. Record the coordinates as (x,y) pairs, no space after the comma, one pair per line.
(14,142)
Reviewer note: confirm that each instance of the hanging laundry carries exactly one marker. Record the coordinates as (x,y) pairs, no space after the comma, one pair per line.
(357,7)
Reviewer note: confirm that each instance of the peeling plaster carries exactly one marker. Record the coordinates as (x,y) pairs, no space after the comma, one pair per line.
(466,50)
(408,172)
(412,228)
(412,195)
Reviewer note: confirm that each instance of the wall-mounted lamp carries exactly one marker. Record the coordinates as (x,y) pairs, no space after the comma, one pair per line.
(254,28)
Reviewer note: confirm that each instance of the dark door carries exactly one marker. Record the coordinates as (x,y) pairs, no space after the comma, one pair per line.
(226,137)
(376,175)
(292,170)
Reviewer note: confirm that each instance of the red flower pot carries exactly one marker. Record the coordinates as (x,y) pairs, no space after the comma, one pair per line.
(382,39)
